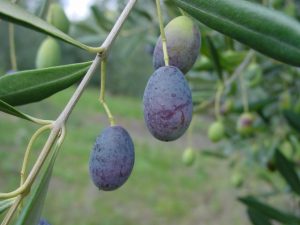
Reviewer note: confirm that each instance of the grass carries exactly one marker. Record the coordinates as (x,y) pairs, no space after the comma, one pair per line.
(161,190)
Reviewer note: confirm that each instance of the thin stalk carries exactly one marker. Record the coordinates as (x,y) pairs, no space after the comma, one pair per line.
(12,47)
(102,93)
(28,150)
(162,33)
(190,132)
(244,93)
(182,12)
(219,93)
(11,211)
(241,67)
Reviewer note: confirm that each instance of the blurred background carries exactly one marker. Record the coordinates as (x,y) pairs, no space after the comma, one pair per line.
(161,189)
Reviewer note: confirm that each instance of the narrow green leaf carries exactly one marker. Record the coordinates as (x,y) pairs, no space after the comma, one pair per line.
(4,107)
(288,172)
(34,85)
(257,218)
(269,211)
(143,13)
(15,14)
(32,210)
(5,204)
(265,30)
(101,20)
(293,119)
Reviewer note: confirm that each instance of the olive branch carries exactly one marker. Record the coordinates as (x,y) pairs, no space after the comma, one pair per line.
(57,127)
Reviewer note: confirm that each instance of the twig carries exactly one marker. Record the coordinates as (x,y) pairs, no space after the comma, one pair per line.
(240,68)
(63,117)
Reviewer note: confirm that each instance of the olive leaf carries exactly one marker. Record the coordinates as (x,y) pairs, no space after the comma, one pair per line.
(32,210)
(34,85)
(4,107)
(257,218)
(15,14)
(288,172)
(5,204)
(293,119)
(268,211)
(265,30)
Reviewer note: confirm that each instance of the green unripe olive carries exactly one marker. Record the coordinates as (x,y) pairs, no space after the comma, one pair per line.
(57,17)
(216,131)
(48,54)
(237,180)
(245,124)
(183,44)
(188,157)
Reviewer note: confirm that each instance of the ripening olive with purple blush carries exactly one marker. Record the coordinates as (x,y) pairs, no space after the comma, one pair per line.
(245,124)
(112,158)
(183,44)
(167,103)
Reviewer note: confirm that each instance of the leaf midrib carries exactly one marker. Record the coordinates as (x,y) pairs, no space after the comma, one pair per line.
(42,84)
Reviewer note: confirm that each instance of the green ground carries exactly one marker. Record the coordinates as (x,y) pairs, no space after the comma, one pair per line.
(161,190)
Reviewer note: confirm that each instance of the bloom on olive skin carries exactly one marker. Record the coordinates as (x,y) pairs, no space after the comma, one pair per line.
(168,106)
(112,158)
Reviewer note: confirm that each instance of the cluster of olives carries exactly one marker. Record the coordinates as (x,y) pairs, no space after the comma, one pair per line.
(49,53)
(167,100)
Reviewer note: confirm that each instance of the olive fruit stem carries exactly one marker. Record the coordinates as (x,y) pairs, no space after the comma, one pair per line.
(219,93)
(28,150)
(182,12)
(102,92)
(190,132)
(12,46)
(244,93)
(162,33)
